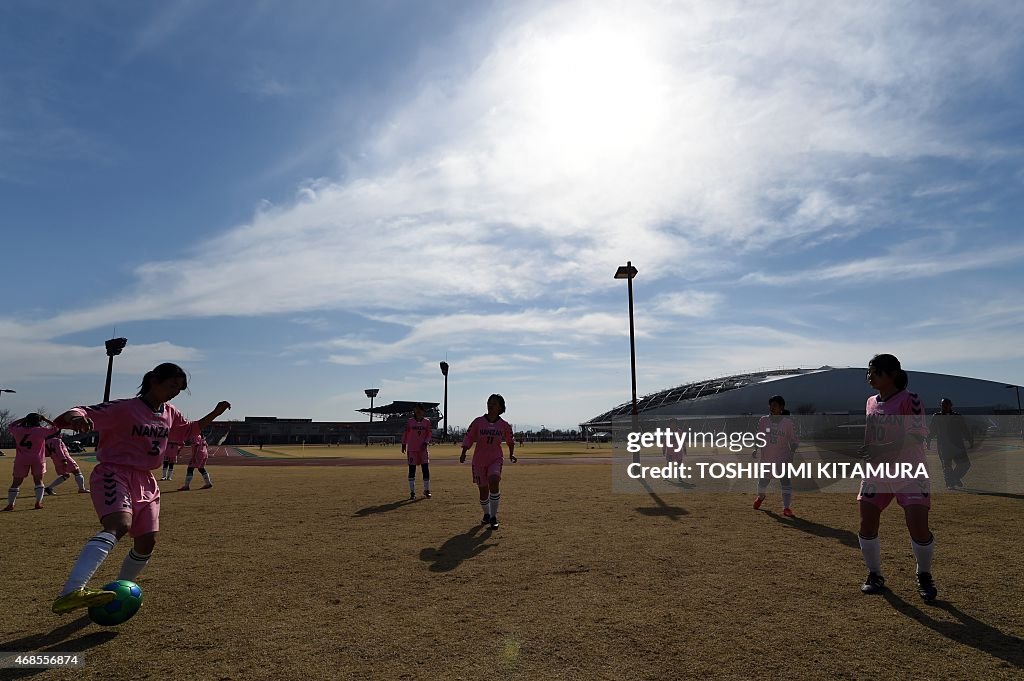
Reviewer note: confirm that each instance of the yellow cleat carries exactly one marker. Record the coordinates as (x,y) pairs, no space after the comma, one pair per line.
(82,598)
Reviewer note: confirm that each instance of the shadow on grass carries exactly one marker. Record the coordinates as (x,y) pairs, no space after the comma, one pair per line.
(983,493)
(968,630)
(383,508)
(459,548)
(844,537)
(660,509)
(55,641)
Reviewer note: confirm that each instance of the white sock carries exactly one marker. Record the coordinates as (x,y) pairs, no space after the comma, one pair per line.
(40,492)
(787,497)
(80,480)
(485,504)
(188,479)
(872,551)
(426,484)
(12,494)
(412,485)
(923,553)
(89,560)
(495,498)
(132,566)
(206,477)
(59,480)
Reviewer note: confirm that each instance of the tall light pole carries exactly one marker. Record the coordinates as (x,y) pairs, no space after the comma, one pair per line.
(444,372)
(114,348)
(371,393)
(1020,420)
(627,272)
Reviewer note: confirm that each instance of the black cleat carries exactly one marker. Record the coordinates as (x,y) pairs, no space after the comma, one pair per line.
(486,520)
(494,522)
(49,491)
(412,495)
(926,586)
(874,584)
(427,494)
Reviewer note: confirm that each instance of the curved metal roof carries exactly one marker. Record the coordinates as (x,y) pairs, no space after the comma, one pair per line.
(691,391)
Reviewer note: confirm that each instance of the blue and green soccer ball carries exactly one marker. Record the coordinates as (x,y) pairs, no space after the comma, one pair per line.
(122,608)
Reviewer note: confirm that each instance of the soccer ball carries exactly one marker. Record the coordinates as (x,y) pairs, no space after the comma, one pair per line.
(122,608)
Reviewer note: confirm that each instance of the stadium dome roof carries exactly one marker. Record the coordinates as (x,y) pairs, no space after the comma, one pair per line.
(825,389)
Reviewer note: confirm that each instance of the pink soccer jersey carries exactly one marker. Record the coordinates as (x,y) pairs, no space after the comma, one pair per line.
(488,437)
(669,449)
(781,436)
(63,462)
(417,435)
(900,416)
(200,452)
(171,453)
(132,434)
(30,443)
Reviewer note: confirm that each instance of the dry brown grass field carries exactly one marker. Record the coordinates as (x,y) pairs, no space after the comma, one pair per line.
(437,451)
(329,572)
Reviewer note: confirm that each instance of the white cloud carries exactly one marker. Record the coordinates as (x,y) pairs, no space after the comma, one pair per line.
(31,359)
(491,207)
(478,331)
(159,28)
(899,264)
(686,303)
(677,134)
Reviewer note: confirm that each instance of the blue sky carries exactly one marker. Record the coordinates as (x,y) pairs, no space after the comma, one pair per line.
(297,201)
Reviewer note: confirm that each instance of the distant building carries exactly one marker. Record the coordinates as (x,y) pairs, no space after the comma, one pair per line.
(825,390)
(389,421)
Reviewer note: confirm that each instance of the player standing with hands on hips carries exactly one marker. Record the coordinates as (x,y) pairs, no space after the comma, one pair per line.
(487,432)
(133,436)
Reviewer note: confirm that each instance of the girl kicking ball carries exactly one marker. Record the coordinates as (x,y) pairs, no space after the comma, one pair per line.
(133,436)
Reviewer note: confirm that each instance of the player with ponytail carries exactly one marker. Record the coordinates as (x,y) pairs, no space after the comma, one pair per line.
(487,432)
(895,433)
(133,437)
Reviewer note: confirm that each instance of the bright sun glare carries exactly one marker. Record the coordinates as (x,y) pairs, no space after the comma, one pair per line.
(595,94)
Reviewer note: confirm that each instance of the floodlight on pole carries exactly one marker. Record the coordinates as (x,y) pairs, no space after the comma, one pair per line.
(114,347)
(627,272)
(6,390)
(371,393)
(444,372)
